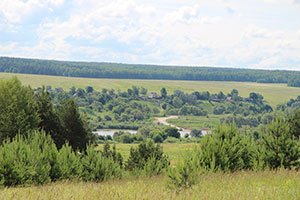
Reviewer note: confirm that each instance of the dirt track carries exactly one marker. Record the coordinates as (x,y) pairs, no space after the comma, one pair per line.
(163,120)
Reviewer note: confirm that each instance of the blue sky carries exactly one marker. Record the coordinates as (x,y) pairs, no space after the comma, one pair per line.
(262,34)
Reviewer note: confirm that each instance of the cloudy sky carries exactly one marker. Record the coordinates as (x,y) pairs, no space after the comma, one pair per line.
(228,33)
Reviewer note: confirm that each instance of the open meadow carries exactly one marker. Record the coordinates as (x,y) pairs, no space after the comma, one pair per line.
(273,93)
(174,151)
(210,121)
(241,185)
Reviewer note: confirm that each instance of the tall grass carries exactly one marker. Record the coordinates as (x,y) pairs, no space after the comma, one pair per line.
(250,185)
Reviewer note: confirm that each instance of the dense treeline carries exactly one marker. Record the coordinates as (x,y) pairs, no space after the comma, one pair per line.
(130,71)
(294,81)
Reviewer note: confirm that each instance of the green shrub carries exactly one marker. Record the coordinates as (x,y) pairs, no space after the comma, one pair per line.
(68,163)
(181,176)
(226,149)
(277,147)
(112,154)
(26,159)
(148,157)
(96,167)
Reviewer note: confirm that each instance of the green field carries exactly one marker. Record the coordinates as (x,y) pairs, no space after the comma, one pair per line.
(174,151)
(273,93)
(197,121)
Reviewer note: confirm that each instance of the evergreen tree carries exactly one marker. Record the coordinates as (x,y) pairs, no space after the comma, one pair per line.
(75,129)
(163,92)
(277,148)
(49,119)
(226,149)
(294,123)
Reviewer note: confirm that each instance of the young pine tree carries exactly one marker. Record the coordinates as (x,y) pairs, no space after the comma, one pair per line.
(49,119)
(75,129)
(277,148)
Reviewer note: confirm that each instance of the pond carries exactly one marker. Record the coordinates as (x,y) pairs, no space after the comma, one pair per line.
(111,132)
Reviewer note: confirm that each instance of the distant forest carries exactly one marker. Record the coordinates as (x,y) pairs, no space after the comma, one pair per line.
(134,71)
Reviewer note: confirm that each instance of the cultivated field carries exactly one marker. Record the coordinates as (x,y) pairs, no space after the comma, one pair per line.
(273,93)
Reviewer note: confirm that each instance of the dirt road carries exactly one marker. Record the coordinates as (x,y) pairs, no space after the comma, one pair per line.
(163,120)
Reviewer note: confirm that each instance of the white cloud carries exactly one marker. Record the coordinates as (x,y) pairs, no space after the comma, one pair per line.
(15,10)
(280,1)
(7,49)
(187,32)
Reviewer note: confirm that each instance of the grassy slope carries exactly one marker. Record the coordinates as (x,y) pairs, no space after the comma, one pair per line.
(240,185)
(174,151)
(197,121)
(273,93)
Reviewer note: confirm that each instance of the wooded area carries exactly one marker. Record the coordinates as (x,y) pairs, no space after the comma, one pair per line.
(133,71)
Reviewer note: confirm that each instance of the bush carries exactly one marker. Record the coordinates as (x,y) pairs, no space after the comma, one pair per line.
(277,148)
(68,163)
(97,167)
(148,157)
(196,133)
(226,149)
(171,132)
(182,176)
(34,159)
(112,154)
(27,159)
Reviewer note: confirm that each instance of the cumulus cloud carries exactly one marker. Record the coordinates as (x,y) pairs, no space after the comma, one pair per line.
(6,49)
(15,10)
(169,32)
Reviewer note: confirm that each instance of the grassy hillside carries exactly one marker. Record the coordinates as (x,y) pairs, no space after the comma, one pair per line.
(273,93)
(240,185)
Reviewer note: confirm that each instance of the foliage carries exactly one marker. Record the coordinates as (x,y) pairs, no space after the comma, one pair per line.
(277,148)
(49,120)
(34,159)
(226,149)
(17,113)
(147,156)
(27,160)
(196,133)
(294,123)
(99,166)
(112,154)
(76,130)
(127,138)
(181,176)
